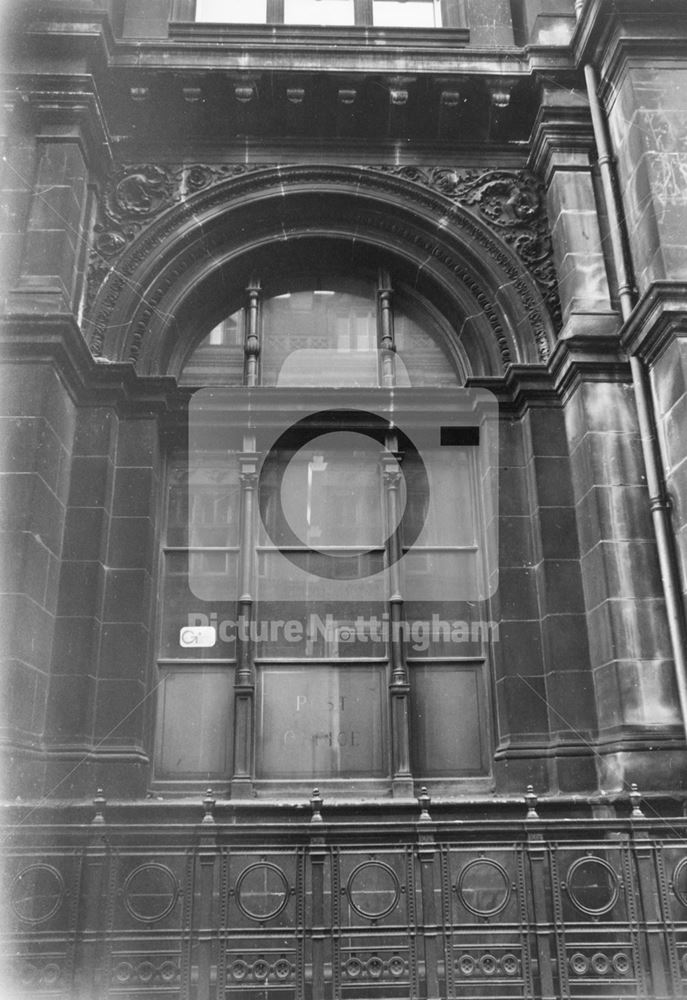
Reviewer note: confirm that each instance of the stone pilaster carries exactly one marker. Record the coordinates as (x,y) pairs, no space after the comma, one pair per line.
(629,647)
(562,154)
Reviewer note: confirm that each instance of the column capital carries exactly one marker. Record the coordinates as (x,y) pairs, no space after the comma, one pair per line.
(248,467)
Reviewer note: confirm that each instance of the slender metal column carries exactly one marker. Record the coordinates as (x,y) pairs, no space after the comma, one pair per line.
(387,344)
(392,480)
(399,689)
(658,498)
(244,688)
(252,338)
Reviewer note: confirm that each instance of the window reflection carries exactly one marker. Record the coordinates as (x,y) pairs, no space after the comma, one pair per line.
(406,13)
(385,13)
(218,359)
(232,11)
(319,12)
(326,335)
(341,318)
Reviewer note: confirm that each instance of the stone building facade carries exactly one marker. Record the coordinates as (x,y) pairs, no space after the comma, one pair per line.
(258,743)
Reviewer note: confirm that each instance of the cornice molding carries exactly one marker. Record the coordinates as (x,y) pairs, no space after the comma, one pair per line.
(588,358)
(656,29)
(660,316)
(56,339)
(53,102)
(560,131)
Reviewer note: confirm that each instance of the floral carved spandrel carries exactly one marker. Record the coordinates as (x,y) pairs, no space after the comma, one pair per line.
(133,196)
(512,202)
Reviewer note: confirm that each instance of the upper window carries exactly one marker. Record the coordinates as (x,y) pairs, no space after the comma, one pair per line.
(319,12)
(381,13)
(406,13)
(326,331)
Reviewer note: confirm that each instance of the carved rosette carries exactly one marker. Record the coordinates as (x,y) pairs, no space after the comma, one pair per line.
(509,201)
(133,197)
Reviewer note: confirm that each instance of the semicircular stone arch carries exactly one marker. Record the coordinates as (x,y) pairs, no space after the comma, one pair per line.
(197,256)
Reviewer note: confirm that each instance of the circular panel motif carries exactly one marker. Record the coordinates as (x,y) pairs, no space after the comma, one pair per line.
(373,889)
(579,963)
(168,972)
(51,974)
(239,969)
(375,967)
(353,967)
(123,972)
(592,885)
(282,969)
(262,891)
(28,974)
(600,963)
(509,964)
(261,969)
(483,887)
(621,963)
(466,964)
(396,965)
(680,881)
(150,892)
(145,972)
(488,965)
(37,893)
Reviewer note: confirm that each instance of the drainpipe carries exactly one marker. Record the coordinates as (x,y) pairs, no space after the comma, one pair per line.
(658,498)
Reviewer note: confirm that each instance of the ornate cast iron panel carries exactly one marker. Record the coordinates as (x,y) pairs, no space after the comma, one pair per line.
(488,927)
(261,943)
(349,910)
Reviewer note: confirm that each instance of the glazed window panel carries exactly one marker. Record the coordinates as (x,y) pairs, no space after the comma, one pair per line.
(232,11)
(181,607)
(323,520)
(325,336)
(319,12)
(448,718)
(218,358)
(406,13)
(195,708)
(423,357)
(322,336)
(213,516)
(331,495)
(321,722)
(447,558)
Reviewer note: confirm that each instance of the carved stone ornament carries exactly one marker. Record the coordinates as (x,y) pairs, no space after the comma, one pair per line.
(509,201)
(133,196)
(512,202)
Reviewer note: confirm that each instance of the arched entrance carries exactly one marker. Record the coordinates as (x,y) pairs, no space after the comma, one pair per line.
(204,247)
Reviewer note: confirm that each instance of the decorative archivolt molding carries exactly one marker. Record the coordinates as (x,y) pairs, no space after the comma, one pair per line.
(510,202)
